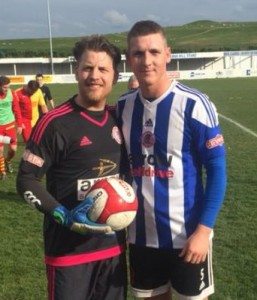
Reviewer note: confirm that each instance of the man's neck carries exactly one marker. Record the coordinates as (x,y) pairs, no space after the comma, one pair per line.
(152,92)
(90,105)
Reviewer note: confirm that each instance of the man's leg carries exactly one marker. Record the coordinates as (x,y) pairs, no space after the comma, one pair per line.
(2,164)
(11,132)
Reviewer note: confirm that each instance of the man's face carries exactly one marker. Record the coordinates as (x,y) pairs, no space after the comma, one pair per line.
(40,80)
(148,56)
(95,76)
(4,88)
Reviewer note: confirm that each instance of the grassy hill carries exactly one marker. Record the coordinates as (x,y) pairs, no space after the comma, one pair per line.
(198,36)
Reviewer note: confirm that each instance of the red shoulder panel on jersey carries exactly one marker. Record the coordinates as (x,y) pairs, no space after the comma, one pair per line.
(47,118)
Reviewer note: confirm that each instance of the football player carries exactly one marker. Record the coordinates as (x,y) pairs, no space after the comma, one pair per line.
(10,118)
(75,145)
(172,134)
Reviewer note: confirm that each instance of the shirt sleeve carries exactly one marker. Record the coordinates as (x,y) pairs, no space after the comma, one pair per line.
(48,93)
(41,100)
(214,191)
(210,150)
(37,159)
(16,109)
(206,132)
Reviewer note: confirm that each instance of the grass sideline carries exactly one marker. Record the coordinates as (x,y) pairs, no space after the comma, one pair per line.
(22,274)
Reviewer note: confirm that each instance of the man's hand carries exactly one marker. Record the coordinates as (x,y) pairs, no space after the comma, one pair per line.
(197,245)
(82,224)
(77,219)
(19,130)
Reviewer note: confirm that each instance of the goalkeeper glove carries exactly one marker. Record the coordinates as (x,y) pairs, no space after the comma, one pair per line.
(77,219)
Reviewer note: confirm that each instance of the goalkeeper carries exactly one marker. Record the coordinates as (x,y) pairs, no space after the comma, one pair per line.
(74,145)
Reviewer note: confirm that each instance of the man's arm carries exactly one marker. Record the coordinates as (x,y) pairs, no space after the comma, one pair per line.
(49,96)
(41,102)
(17,112)
(197,245)
(36,160)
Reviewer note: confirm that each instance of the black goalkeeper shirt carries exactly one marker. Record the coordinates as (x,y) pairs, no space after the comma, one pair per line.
(73,147)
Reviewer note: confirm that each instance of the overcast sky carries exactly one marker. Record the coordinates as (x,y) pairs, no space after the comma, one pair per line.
(29,18)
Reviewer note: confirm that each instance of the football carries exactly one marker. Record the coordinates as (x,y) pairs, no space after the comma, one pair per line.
(114,203)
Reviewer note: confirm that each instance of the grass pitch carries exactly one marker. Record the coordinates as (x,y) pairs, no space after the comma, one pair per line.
(22,273)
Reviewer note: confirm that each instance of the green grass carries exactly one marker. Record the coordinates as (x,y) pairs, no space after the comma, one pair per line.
(22,274)
(194,37)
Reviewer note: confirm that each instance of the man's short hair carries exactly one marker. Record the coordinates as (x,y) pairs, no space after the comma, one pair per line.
(97,43)
(145,27)
(4,80)
(32,87)
(39,75)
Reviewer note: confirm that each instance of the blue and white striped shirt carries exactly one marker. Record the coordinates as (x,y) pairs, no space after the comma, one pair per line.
(168,141)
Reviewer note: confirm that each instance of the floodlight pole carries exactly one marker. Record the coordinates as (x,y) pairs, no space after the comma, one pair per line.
(50,36)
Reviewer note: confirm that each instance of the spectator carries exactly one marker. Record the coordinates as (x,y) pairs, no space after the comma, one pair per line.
(133,83)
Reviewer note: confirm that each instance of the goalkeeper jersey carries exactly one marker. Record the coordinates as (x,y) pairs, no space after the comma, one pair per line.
(168,141)
(74,148)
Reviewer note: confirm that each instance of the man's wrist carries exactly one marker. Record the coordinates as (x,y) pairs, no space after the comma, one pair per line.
(61,215)
(203,229)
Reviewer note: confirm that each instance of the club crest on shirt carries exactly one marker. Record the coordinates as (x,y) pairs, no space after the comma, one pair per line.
(148,139)
(116,135)
(218,140)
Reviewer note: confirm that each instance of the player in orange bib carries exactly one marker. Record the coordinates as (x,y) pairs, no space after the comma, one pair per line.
(30,98)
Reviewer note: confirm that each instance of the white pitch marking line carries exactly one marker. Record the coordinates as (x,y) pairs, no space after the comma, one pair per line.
(239,125)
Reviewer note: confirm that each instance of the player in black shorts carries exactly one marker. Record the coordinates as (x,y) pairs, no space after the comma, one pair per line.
(76,144)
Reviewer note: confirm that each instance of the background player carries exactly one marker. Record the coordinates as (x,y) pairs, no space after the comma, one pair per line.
(133,83)
(75,144)
(30,100)
(10,116)
(171,133)
(45,90)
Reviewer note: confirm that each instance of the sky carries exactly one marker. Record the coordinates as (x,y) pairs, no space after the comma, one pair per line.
(71,18)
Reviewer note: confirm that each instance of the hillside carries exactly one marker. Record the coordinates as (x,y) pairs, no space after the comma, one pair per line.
(193,37)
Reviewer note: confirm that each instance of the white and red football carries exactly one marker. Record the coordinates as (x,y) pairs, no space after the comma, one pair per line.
(114,203)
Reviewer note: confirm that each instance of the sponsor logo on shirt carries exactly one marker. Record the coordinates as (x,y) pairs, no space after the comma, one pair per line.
(84,185)
(116,135)
(32,158)
(105,167)
(32,199)
(155,166)
(149,123)
(218,140)
(152,172)
(85,141)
